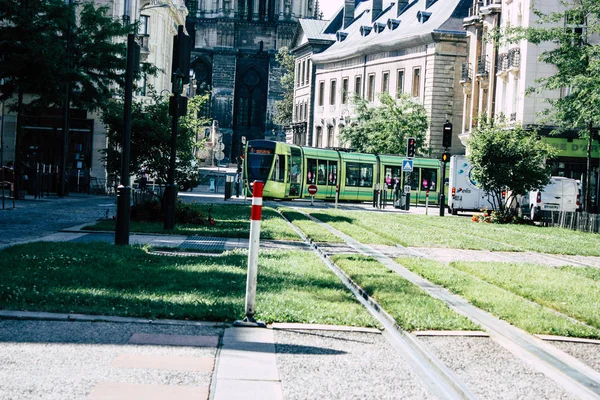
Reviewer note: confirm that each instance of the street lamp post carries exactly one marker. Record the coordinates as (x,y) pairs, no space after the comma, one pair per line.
(62,178)
(124,190)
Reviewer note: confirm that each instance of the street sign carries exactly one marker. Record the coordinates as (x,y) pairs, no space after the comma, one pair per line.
(219,146)
(407,165)
(219,156)
(406,188)
(312,190)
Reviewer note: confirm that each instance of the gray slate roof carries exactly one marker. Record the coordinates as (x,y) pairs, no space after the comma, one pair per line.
(444,16)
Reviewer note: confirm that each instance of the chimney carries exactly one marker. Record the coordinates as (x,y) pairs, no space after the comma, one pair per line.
(401,6)
(348,13)
(376,8)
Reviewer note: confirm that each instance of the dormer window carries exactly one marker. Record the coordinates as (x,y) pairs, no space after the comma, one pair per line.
(393,24)
(365,30)
(378,27)
(429,3)
(423,16)
(341,36)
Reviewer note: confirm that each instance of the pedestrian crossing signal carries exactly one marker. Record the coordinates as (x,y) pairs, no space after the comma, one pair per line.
(445,157)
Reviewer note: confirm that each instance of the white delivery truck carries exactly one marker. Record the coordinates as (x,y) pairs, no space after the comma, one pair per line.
(464,194)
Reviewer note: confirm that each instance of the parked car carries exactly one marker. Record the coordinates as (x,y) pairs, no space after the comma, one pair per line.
(560,195)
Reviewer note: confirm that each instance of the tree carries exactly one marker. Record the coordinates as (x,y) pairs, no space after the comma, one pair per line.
(510,160)
(284,108)
(577,63)
(34,58)
(384,129)
(151,138)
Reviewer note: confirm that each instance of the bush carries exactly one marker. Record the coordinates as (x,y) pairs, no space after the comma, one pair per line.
(496,217)
(151,211)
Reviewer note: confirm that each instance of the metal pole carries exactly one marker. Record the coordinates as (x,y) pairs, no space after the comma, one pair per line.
(442,188)
(2,151)
(255,216)
(62,186)
(170,192)
(124,190)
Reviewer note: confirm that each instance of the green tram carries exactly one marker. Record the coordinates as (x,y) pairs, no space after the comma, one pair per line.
(288,170)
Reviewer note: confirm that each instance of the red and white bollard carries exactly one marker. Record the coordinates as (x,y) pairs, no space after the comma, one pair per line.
(255,216)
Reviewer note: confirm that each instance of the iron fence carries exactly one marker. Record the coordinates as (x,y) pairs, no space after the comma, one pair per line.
(579,221)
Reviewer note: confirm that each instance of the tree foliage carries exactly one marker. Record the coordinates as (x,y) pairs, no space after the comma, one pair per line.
(151,138)
(284,108)
(508,159)
(384,128)
(34,58)
(577,66)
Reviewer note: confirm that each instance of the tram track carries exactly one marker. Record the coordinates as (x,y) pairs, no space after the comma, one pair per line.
(440,380)
(568,372)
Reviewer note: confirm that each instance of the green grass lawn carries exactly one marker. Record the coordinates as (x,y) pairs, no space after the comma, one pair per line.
(571,294)
(99,278)
(455,232)
(410,306)
(311,229)
(231,220)
(531,317)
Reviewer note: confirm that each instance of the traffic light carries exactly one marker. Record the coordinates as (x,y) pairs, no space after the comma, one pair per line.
(410,147)
(180,72)
(445,157)
(447,135)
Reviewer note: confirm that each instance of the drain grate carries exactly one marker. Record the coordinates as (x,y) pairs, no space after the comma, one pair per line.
(203,243)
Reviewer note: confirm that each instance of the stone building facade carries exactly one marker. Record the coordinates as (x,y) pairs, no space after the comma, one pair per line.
(235,44)
(413,47)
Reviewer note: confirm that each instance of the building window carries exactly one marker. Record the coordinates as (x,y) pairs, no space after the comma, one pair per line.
(308,68)
(141,86)
(358,86)
(416,83)
(298,74)
(332,91)
(371,88)
(144,28)
(400,83)
(321,93)
(345,91)
(303,72)
(385,82)
(330,136)
(319,136)
(306,111)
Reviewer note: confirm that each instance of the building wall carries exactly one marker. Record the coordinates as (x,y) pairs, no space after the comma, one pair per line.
(234,53)
(438,89)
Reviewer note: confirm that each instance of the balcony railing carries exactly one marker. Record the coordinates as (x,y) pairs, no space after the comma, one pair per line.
(483,66)
(514,58)
(466,73)
(502,66)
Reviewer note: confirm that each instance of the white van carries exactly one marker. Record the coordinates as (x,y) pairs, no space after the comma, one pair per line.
(561,195)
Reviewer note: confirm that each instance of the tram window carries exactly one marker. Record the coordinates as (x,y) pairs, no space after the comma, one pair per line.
(311,170)
(366,175)
(393,173)
(279,169)
(415,177)
(429,175)
(332,178)
(352,174)
(322,172)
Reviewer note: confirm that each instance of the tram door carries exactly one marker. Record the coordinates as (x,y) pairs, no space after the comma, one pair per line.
(332,176)
(294,169)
